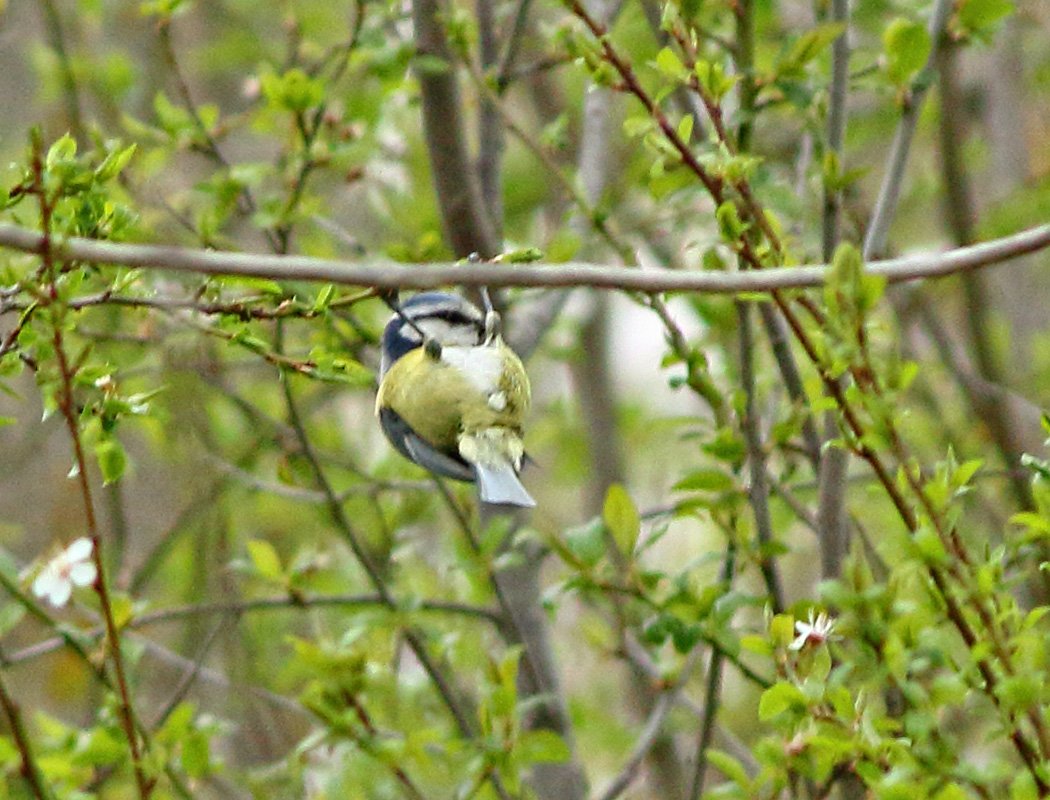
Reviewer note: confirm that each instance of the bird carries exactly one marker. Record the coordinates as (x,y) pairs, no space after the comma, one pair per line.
(453,396)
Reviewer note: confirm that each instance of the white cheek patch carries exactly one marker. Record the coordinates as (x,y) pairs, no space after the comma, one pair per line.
(482,366)
(498,401)
(444,332)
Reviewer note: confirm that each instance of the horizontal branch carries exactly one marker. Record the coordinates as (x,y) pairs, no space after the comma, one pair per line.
(386,274)
(345,602)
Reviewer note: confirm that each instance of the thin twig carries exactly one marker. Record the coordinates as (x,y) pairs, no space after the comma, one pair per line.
(961,215)
(67,406)
(189,676)
(512,46)
(758,492)
(233,608)
(713,691)
(29,768)
(638,657)
(70,89)
(651,732)
(373,732)
(836,124)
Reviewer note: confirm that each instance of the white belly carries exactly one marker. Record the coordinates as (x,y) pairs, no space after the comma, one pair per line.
(482,366)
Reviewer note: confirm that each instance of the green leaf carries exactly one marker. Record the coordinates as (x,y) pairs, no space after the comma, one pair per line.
(179,723)
(704,480)
(264,285)
(951,791)
(112,460)
(122,608)
(1018,692)
(65,149)
(171,117)
(294,90)
(684,637)
(756,644)
(621,516)
(779,698)
(847,266)
(966,471)
(329,367)
(265,559)
(114,163)
(586,543)
(726,446)
(906,45)
(638,126)
(729,222)
(563,246)
(542,746)
(979,16)
(728,766)
(10,759)
(11,614)
(685,128)
(1034,616)
(324,297)
(930,546)
(98,748)
(810,44)
(782,630)
(670,180)
(431,65)
(670,65)
(196,755)
(713,79)
(1023,787)
(524,256)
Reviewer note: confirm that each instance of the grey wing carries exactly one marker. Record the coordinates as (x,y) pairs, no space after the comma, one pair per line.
(436,461)
(411,446)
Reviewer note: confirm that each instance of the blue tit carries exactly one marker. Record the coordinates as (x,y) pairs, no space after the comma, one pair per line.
(452,395)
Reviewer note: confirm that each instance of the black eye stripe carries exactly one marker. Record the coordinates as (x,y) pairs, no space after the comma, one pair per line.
(453,316)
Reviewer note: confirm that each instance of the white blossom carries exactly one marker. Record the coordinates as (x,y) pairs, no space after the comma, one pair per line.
(70,568)
(818,630)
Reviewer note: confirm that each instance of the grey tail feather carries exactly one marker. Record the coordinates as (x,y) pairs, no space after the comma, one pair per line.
(500,486)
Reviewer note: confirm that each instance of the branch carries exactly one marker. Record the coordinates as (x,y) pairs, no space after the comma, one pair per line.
(961,215)
(893,177)
(386,274)
(832,531)
(652,731)
(467,225)
(836,123)
(636,655)
(491,140)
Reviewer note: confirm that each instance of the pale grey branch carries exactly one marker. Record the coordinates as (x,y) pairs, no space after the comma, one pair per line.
(385,274)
